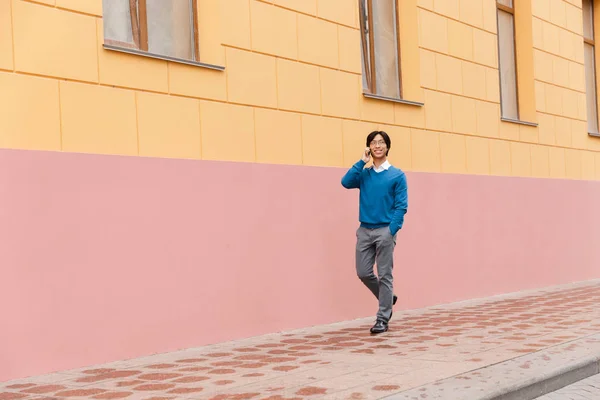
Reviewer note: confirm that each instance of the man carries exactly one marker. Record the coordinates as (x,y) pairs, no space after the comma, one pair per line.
(383,204)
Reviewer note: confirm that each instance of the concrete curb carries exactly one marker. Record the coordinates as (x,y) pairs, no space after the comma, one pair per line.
(521,378)
(547,383)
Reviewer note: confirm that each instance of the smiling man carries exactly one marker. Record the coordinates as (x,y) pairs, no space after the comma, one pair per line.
(383,204)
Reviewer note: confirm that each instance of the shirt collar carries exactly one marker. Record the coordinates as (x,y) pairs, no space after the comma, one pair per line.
(383,167)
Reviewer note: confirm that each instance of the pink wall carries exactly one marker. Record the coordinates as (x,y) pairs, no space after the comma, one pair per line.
(105,258)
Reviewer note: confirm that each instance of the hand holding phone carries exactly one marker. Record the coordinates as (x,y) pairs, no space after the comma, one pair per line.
(366,155)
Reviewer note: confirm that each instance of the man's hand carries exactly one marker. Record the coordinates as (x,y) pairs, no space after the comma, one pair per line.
(366,157)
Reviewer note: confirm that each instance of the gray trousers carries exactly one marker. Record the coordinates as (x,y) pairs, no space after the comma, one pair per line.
(377,245)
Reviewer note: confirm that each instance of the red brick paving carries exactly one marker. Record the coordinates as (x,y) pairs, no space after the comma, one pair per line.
(11,396)
(422,346)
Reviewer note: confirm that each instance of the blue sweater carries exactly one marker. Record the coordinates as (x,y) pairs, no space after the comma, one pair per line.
(383,196)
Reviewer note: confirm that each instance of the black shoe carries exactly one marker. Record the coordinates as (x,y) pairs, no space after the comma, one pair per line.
(393,303)
(379,327)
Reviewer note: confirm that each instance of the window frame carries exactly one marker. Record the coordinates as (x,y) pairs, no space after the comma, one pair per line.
(371,73)
(592,42)
(511,11)
(139,32)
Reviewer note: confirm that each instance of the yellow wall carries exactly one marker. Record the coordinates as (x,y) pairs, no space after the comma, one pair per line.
(291,89)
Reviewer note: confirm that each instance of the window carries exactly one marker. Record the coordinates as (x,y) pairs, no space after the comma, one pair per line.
(590,66)
(380,48)
(507,58)
(162,27)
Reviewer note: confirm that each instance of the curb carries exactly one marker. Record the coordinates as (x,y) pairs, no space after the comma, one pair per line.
(548,383)
(521,378)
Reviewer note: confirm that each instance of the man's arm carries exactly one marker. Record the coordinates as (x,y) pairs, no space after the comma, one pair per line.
(352,178)
(400,204)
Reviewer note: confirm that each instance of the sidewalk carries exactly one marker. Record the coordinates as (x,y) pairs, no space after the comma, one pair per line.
(465,350)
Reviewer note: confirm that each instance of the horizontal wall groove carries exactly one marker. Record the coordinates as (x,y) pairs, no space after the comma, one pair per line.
(556,25)
(291,59)
(342,167)
(70,10)
(498,138)
(561,116)
(559,56)
(456,20)
(461,95)
(459,58)
(560,86)
(307,14)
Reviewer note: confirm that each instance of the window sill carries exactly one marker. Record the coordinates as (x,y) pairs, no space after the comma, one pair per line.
(408,102)
(594,134)
(165,58)
(516,121)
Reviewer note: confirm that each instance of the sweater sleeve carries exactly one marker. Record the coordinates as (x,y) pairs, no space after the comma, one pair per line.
(400,204)
(352,178)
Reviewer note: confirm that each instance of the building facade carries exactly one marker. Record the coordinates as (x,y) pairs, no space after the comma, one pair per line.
(170,171)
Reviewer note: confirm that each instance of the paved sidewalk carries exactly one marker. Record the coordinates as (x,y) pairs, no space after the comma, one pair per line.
(424,349)
(586,389)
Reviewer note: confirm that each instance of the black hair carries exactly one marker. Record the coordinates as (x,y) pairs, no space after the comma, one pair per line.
(386,139)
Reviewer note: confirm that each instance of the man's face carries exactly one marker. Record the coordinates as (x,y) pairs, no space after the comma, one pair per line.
(378,147)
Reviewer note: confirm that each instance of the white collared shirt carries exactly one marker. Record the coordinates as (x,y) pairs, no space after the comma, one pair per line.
(382,167)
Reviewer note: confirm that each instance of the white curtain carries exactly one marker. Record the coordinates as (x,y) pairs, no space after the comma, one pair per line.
(385,38)
(170,28)
(117,21)
(508,67)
